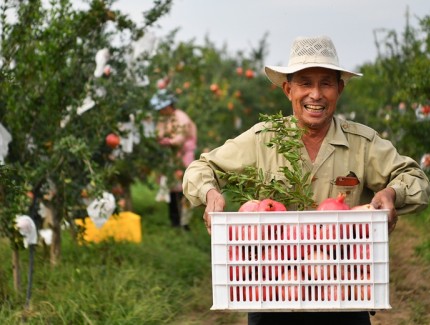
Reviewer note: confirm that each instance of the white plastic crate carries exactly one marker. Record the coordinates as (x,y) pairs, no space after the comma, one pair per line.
(300,261)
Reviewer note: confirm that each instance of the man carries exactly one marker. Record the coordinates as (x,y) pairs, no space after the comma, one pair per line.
(313,82)
(176,130)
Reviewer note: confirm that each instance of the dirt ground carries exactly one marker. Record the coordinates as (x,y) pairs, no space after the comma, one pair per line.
(409,279)
(409,283)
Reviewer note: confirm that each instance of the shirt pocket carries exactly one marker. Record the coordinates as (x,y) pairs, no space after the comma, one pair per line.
(352,193)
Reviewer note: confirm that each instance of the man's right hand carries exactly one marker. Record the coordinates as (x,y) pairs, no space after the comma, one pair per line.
(214,203)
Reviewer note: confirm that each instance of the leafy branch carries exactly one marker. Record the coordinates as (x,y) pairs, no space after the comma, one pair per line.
(295,191)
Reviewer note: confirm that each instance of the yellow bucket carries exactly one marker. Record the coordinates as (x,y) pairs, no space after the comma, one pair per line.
(123,227)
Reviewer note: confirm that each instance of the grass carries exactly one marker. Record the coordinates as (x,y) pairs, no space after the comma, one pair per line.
(165,279)
(159,281)
(422,221)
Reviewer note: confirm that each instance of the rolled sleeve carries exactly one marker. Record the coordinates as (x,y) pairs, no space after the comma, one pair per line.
(401,173)
(412,191)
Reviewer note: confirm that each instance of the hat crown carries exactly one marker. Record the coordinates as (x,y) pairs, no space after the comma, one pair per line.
(313,50)
(309,52)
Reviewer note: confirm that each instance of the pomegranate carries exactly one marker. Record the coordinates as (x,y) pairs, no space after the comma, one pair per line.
(249,74)
(112,140)
(334,203)
(252,294)
(317,271)
(363,207)
(270,254)
(250,206)
(214,88)
(290,292)
(271,205)
(292,252)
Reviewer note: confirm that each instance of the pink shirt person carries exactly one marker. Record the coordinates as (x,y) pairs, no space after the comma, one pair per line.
(177,129)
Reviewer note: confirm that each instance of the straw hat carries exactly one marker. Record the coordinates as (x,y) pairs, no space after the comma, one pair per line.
(308,52)
(162,99)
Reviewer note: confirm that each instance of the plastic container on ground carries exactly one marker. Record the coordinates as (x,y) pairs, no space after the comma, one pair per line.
(300,261)
(123,227)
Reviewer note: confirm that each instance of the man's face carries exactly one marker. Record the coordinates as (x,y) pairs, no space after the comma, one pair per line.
(313,93)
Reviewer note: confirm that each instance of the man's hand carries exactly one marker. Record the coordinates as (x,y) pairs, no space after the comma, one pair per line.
(214,203)
(385,199)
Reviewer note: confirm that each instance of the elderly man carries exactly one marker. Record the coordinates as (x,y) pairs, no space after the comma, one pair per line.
(313,81)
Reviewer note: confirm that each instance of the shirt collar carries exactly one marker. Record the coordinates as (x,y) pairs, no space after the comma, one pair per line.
(335,134)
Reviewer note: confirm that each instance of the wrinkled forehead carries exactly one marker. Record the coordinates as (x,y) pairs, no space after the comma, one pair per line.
(315,73)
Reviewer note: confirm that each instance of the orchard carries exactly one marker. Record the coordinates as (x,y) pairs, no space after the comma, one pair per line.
(75,91)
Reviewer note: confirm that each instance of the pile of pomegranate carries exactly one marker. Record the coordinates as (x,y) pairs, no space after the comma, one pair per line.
(310,256)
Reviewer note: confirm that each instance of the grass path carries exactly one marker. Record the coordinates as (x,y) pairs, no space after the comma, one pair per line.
(409,278)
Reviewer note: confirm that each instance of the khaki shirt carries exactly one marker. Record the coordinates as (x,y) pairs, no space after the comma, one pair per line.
(348,147)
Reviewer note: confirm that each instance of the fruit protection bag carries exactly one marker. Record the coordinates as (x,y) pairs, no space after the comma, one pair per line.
(101,209)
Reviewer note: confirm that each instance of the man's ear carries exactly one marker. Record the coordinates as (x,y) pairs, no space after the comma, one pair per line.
(341,86)
(286,87)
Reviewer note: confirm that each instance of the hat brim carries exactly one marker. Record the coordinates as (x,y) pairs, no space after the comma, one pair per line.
(278,74)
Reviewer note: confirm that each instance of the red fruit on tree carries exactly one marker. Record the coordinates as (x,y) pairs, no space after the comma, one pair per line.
(117,190)
(214,88)
(107,70)
(112,140)
(334,203)
(271,205)
(162,83)
(249,74)
(426,109)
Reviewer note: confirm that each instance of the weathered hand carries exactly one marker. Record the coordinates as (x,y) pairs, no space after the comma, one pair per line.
(214,203)
(385,199)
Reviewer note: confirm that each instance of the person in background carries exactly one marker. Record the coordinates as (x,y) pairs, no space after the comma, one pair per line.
(176,130)
(313,81)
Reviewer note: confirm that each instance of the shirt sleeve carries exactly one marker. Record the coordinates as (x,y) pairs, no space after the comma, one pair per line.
(401,173)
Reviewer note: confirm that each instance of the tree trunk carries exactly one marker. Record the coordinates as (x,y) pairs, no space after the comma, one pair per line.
(16,270)
(56,238)
(127,198)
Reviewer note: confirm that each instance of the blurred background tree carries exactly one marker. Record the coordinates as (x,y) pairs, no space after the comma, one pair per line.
(58,108)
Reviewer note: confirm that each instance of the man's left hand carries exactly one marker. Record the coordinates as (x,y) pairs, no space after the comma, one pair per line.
(385,199)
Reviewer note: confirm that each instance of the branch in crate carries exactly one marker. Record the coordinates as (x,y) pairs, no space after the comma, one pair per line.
(251,183)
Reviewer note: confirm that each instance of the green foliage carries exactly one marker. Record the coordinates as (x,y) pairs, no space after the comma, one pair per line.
(153,282)
(47,73)
(14,202)
(251,184)
(393,87)
(237,101)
